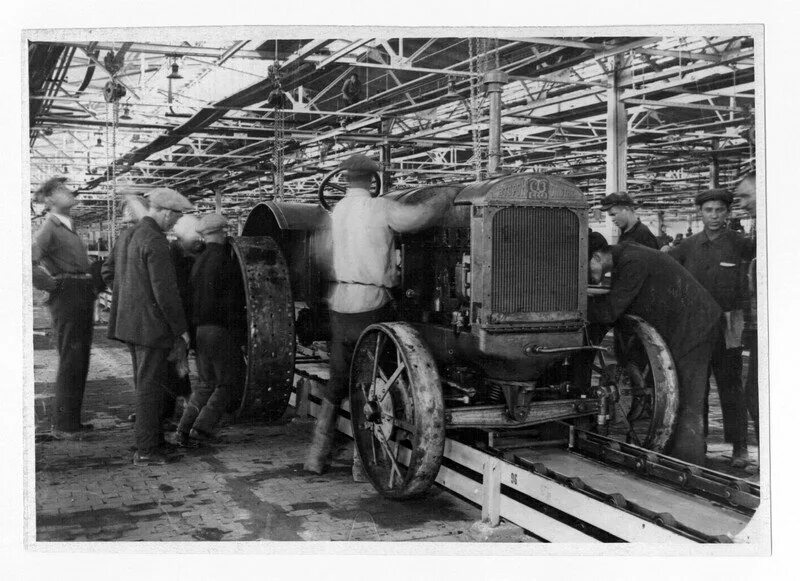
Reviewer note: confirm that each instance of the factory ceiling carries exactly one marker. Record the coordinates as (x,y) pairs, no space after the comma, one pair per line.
(255,119)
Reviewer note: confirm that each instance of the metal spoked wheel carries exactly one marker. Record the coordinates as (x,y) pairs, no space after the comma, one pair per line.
(644,382)
(397,410)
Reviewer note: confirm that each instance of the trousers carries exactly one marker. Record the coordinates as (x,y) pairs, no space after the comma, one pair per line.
(220,367)
(346,328)
(751,384)
(688,440)
(71,312)
(150,369)
(726,365)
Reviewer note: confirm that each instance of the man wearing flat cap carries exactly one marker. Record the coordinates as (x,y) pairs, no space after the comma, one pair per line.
(649,284)
(621,208)
(218,314)
(363,232)
(149,316)
(718,258)
(61,267)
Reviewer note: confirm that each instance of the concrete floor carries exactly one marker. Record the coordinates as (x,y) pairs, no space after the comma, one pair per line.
(248,485)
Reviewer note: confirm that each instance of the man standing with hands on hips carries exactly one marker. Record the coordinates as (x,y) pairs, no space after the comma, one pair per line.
(61,267)
(150,317)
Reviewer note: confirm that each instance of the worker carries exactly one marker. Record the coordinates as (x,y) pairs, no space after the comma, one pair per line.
(149,316)
(620,207)
(718,258)
(61,267)
(651,285)
(218,314)
(362,231)
(745,196)
(188,244)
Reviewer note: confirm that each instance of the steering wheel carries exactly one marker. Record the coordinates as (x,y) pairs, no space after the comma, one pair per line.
(326,183)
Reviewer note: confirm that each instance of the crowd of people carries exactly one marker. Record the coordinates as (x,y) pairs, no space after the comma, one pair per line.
(699,294)
(172,298)
(167,298)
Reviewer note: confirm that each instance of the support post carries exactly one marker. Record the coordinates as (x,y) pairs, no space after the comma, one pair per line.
(494,81)
(616,143)
(713,167)
(386,155)
(490,506)
(218,201)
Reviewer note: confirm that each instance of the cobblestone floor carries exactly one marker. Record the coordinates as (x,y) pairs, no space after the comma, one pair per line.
(248,485)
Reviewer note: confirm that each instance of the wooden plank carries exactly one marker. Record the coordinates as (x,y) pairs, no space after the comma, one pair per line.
(540,524)
(605,517)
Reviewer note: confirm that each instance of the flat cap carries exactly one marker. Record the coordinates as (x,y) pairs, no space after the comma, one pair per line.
(720,195)
(169,199)
(616,199)
(211,223)
(359,163)
(596,242)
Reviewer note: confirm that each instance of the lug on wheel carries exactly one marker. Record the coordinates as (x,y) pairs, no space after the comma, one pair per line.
(644,405)
(397,410)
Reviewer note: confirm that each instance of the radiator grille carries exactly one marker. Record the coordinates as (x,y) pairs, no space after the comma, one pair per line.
(535,259)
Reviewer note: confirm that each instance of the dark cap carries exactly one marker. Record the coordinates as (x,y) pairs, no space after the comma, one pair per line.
(596,242)
(616,199)
(719,195)
(359,164)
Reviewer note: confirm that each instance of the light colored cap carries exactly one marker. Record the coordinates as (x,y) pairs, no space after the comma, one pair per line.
(170,200)
(186,228)
(210,223)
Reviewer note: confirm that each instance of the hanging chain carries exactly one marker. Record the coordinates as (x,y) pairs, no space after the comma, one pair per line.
(474,108)
(114,123)
(277,150)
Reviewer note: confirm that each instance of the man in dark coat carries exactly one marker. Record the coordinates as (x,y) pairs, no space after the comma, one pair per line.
(649,284)
(620,206)
(218,312)
(61,267)
(149,316)
(718,258)
(745,195)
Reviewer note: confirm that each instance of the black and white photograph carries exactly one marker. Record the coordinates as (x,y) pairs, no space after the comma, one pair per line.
(313,289)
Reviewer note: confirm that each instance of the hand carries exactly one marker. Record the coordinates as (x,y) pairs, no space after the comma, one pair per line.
(186,340)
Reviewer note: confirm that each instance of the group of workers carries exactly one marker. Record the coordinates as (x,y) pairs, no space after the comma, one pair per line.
(700,297)
(167,301)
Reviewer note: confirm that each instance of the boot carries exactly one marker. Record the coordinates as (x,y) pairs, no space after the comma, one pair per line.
(359,474)
(319,455)
(739,457)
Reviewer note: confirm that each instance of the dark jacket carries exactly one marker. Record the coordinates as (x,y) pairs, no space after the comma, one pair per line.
(56,250)
(640,234)
(218,291)
(146,307)
(720,265)
(653,286)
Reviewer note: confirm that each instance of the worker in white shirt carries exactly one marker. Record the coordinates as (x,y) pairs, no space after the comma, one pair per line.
(363,230)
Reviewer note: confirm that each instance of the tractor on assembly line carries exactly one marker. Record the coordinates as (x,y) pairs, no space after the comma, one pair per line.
(491,330)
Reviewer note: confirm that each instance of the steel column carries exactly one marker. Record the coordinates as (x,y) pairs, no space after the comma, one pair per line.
(494,81)
(617,143)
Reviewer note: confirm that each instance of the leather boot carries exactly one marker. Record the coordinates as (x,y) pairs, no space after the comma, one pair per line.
(319,454)
(740,456)
(359,474)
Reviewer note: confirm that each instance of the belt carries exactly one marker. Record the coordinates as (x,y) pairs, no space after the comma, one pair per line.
(74,276)
(364,284)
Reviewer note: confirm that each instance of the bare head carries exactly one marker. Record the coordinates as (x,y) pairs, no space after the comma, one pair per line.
(745,194)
